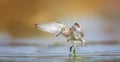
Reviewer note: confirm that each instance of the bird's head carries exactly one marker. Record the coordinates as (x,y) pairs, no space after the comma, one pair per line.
(64,31)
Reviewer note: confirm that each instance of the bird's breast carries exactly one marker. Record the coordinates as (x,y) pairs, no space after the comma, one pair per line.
(70,37)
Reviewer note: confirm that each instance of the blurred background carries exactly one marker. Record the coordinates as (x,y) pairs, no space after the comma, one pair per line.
(20,39)
(99,19)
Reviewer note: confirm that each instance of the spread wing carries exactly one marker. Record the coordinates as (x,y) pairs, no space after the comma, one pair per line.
(78,32)
(76,27)
(53,27)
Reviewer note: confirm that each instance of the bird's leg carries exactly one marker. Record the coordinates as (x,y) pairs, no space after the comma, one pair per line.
(70,51)
(71,48)
(74,51)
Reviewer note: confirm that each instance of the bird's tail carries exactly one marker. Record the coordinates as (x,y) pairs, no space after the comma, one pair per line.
(83,41)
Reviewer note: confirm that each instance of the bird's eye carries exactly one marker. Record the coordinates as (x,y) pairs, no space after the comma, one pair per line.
(63,29)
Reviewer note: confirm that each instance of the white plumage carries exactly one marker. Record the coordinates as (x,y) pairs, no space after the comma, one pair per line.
(52,27)
(74,34)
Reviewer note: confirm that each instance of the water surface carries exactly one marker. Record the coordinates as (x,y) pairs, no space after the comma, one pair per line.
(90,53)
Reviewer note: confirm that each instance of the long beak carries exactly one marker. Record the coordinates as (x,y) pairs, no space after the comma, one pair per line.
(58,34)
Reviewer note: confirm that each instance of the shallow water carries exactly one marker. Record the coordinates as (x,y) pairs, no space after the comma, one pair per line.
(90,53)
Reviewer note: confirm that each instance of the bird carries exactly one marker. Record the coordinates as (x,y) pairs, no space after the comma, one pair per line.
(73,34)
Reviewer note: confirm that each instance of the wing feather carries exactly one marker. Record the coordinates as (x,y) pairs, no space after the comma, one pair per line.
(78,32)
(53,27)
(76,27)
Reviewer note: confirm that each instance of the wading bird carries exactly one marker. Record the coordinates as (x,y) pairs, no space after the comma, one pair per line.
(74,34)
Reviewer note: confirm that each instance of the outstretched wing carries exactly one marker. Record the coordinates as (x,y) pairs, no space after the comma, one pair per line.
(53,27)
(78,32)
(76,27)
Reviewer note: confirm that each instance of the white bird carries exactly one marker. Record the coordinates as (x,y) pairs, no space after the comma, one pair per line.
(74,34)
